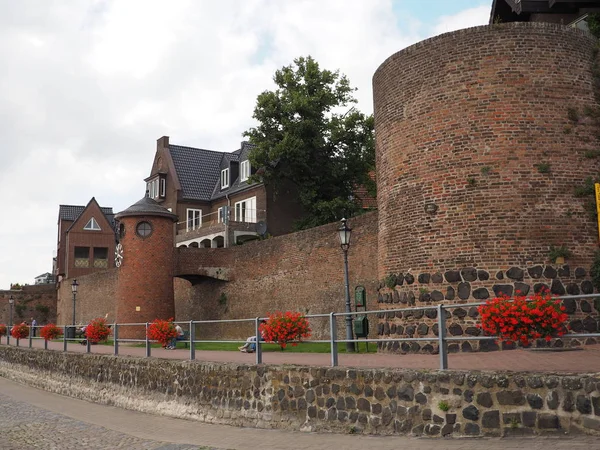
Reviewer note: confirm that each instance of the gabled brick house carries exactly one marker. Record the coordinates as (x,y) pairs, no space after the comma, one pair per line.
(215,202)
(86,240)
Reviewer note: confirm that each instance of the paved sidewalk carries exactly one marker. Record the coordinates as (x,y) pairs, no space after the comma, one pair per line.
(32,419)
(586,360)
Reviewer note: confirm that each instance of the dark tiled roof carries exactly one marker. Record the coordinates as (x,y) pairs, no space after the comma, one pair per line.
(197,169)
(235,185)
(72,212)
(147,207)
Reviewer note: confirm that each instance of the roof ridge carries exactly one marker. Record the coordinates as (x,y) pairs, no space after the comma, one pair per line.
(195,148)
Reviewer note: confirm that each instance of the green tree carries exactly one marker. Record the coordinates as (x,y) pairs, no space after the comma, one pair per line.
(308,135)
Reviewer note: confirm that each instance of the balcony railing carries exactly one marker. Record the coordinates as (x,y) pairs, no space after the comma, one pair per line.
(218,218)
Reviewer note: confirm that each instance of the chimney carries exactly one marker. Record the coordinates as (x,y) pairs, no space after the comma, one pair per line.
(162,142)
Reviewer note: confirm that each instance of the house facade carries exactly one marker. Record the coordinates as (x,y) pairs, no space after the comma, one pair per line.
(211,193)
(86,240)
(45,278)
(571,12)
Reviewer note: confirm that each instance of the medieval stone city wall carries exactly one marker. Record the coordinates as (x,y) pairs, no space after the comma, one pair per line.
(302,271)
(482,137)
(37,301)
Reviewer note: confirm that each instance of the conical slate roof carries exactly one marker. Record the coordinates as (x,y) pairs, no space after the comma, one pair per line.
(146,207)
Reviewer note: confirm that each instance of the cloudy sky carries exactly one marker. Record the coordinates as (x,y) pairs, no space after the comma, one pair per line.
(87,86)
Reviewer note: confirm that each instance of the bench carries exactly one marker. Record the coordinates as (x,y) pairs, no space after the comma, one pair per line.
(186,338)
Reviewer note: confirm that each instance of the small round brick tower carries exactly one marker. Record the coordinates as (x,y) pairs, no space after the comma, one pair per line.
(144,256)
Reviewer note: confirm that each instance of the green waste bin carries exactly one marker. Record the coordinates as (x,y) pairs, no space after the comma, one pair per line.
(361,326)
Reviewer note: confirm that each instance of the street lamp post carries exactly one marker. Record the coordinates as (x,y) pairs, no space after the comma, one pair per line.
(345,232)
(11,302)
(74,289)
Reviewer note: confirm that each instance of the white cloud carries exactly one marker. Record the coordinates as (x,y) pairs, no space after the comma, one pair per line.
(479,15)
(88,86)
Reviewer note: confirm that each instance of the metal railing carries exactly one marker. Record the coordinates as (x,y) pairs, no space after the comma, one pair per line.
(442,337)
(248,216)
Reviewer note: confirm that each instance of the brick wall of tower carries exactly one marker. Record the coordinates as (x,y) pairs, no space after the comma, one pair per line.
(462,123)
(145,279)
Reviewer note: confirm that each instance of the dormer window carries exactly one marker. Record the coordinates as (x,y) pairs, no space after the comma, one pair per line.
(157,188)
(92,225)
(244,170)
(224,178)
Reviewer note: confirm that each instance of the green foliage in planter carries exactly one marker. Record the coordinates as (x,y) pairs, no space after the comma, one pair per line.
(557,252)
(391,280)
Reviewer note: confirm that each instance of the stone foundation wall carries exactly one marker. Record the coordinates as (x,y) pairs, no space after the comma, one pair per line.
(369,401)
(469,285)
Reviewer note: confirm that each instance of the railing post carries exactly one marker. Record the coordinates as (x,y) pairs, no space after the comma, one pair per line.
(45,344)
(8,330)
(65,338)
(148,353)
(116,338)
(257,336)
(88,346)
(30,337)
(18,342)
(332,341)
(443,345)
(192,335)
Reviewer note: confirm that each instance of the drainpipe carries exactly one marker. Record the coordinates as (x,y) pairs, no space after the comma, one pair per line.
(226,221)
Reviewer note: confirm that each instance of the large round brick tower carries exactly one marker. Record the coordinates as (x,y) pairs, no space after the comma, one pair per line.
(145,259)
(482,137)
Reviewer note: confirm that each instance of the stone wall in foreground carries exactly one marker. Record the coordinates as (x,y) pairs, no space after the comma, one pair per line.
(369,401)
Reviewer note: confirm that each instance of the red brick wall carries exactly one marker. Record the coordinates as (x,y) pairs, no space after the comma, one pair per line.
(29,297)
(145,279)
(462,120)
(302,271)
(95,298)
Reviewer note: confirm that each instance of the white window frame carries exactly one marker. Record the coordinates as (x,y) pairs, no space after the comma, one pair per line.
(244,170)
(163,187)
(195,222)
(245,210)
(152,187)
(92,225)
(221,215)
(224,178)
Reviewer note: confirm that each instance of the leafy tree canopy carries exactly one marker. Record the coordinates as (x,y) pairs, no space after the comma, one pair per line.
(308,135)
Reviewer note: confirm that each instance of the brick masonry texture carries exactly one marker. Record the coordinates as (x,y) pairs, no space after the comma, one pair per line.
(145,279)
(30,297)
(301,271)
(297,272)
(385,402)
(468,284)
(462,123)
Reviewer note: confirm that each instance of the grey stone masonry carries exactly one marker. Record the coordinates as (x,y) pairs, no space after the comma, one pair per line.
(369,401)
(472,285)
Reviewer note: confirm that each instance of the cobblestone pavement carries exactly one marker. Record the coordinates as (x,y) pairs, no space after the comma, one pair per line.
(23,427)
(584,360)
(32,419)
